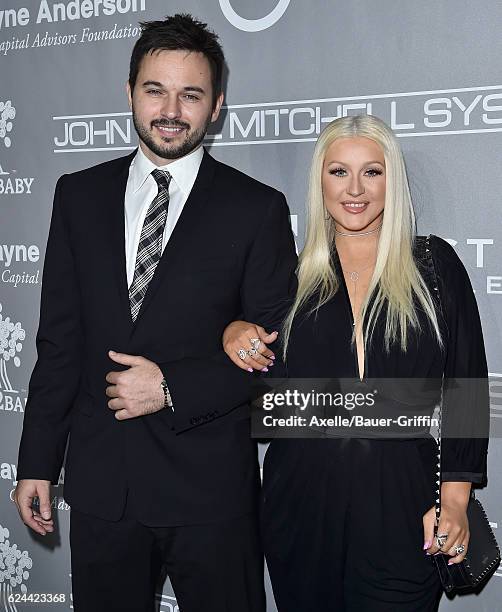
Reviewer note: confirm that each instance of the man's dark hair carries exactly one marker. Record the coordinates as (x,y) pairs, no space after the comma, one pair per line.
(179,32)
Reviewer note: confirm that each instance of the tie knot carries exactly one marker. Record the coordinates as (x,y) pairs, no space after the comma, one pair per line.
(162,177)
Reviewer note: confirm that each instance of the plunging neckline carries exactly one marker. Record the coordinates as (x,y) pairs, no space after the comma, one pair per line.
(352,320)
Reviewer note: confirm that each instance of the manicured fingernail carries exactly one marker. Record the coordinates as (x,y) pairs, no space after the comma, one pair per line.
(265,370)
(450,562)
(428,554)
(426,545)
(272,356)
(270,364)
(250,369)
(113,353)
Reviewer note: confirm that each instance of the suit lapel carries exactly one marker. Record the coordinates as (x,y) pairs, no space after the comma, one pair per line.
(178,240)
(113,194)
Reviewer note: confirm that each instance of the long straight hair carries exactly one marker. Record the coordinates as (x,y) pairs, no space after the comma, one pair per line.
(396,279)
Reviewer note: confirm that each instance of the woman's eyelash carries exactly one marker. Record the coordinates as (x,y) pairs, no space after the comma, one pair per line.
(336,170)
(372,171)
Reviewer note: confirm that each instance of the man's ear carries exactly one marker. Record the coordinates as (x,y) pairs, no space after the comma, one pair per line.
(216,112)
(129,94)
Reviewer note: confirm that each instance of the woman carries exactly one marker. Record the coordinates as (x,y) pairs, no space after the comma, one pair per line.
(348,523)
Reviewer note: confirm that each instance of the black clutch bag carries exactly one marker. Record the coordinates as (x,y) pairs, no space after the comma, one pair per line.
(483,554)
(481,560)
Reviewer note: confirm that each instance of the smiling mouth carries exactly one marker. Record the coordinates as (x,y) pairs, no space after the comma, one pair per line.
(170,130)
(355,206)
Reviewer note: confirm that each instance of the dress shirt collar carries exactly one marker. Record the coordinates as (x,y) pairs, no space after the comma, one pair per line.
(184,170)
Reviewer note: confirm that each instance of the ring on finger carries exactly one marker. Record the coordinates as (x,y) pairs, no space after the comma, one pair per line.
(252,352)
(255,343)
(242,353)
(459,549)
(441,539)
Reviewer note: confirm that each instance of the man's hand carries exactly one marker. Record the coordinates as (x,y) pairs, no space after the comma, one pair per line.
(25,492)
(136,391)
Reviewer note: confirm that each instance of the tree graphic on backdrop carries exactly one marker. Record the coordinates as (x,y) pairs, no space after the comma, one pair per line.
(7,113)
(14,566)
(11,337)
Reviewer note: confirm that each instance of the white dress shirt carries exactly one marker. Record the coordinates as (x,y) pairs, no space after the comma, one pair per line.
(142,188)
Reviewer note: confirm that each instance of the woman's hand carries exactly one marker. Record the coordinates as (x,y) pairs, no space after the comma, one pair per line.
(252,340)
(453,522)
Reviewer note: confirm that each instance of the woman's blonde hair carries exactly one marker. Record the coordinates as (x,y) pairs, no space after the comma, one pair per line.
(395,279)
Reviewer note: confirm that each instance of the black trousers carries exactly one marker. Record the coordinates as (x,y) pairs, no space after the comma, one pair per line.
(119,566)
(342,525)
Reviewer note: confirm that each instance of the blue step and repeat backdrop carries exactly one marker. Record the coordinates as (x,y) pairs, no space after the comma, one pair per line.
(430,69)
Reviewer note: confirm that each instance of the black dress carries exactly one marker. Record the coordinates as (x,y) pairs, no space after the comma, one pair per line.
(342,517)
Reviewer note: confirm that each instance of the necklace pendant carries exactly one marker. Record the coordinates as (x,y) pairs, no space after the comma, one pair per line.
(354,276)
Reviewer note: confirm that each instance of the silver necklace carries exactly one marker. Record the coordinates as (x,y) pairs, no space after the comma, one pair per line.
(361,233)
(354,276)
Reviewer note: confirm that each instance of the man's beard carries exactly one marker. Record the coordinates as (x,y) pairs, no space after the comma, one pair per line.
(169,151)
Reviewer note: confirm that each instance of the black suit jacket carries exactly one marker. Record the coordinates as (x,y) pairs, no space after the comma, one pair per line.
(231,256)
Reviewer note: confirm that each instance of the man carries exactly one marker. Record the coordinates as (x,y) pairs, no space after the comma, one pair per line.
(149,257)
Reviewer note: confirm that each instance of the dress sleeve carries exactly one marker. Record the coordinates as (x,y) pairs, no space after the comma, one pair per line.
(466,405)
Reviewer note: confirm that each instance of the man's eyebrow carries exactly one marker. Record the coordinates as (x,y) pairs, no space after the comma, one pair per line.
(152,83)
(187,88)
(194,88)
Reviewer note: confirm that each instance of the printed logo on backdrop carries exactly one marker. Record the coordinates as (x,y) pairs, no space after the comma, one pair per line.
(167,603)
(467,110)
(10,185)
(12,19)
(482,259)
(496,395)
(453,112)
(253,25)
(72,11)
(14,566)
(13,254)
(8,472)
(101,132)
(7,112)
(12,336)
